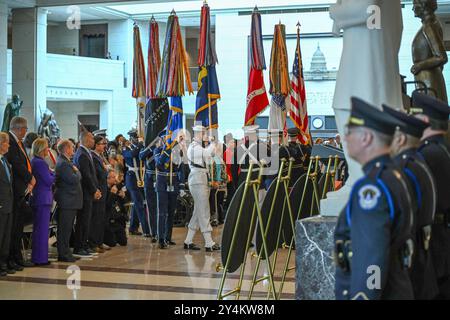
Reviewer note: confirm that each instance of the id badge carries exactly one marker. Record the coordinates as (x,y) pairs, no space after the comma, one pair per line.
(170,188)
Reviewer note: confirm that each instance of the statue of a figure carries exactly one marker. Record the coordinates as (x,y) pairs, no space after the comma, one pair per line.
(48,128)
(369,69)
(12,110)
(428,51)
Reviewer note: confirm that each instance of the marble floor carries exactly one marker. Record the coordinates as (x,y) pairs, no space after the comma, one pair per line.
(142,271)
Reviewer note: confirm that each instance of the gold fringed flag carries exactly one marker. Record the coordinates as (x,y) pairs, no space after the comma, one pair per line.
(280,86)
(174,66)
(154,59)
(298,111)
(139,83)
(257,100)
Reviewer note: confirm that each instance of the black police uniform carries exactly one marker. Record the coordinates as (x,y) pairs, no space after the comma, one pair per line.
(250,151)
(373,233)
(436,152)
(421,180)
(147,155)
(276,153)
(300,153)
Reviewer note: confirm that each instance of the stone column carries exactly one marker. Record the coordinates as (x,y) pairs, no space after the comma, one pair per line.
(3,57)
(29,55)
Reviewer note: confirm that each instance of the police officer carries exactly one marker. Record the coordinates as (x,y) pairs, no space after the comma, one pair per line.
(168,161)
(404,149)
(300,153)
(436,151)
(148,155)
(276,152)
(199,156)
(135,184)
(373,233)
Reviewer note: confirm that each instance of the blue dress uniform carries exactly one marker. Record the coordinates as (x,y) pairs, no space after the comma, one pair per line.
(167,190)
(148,156)
(373,234)
(133,175)
(436,152)
(421,180)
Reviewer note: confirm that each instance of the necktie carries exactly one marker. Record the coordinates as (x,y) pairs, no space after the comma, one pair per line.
(25,154)
(8,174)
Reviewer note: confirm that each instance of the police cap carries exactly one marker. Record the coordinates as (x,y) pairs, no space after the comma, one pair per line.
(366,115)
(409,124)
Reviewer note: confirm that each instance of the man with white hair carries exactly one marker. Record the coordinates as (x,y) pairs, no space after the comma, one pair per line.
(23,183)
(199,156)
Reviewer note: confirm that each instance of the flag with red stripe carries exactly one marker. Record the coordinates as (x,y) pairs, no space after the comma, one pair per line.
(298,111)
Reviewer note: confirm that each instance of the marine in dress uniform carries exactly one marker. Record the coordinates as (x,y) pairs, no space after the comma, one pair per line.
(436,151)
(134,183)
(404,149)
(199,157)
(300,153)
(167,189)
(373,233)
(148,156)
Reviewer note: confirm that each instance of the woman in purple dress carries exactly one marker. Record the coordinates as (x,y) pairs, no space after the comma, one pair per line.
(41,201)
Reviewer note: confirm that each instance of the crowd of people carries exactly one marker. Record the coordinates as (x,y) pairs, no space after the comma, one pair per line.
(94,188)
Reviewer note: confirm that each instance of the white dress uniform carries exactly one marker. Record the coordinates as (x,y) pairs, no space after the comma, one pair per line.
(198,158)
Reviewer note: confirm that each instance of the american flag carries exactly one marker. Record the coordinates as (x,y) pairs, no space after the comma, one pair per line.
(298,107)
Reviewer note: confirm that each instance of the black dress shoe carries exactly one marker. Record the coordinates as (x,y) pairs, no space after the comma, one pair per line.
(14,266)
(11,271)
(191,246)
(215,247)
(25,264)
(146,235)
(136,233)
(171,243)
(67,259)
(3,273)
(163,245)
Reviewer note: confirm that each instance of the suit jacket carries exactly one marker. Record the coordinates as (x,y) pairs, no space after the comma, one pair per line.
(102,175)
(6,191)
(42,192)
(18,161)
(82,159)
(68,194)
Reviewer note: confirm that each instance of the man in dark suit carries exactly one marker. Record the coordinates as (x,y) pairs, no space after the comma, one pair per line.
(23,183)
(69,197)
(84,162)
(6,205)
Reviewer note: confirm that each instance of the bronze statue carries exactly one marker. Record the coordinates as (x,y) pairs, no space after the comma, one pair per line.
(12,110)
(428,51)
(48,128)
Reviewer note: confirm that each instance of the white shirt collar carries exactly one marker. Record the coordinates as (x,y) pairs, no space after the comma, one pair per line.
(14,136)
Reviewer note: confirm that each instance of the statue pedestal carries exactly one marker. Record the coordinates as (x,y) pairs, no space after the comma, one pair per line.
(314,258)
(335,202)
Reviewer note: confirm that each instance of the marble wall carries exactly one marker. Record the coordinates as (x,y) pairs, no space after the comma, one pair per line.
(314,258)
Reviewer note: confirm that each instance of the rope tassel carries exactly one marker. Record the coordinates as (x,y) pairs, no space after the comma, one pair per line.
(174,67)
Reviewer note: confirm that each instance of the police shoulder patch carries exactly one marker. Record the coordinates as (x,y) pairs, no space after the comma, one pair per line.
(368,196)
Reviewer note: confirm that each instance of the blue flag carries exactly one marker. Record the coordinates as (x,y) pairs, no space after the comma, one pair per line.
(207,96)
(174,122)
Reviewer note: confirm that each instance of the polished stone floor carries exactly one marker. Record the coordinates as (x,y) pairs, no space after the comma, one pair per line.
(142,271)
